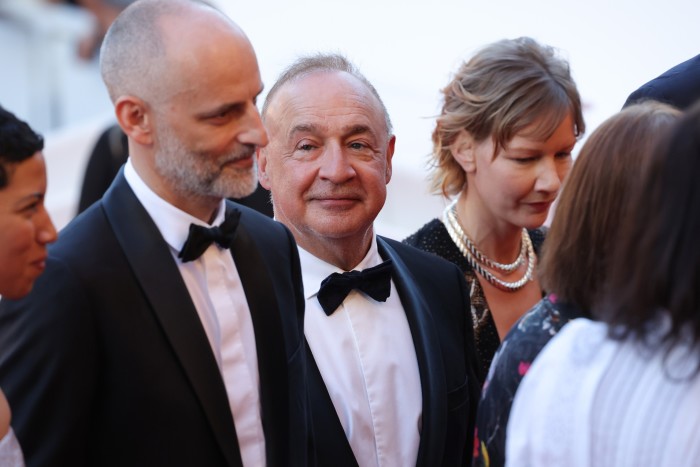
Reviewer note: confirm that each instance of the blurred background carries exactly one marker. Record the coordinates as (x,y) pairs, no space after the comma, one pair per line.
(408,49)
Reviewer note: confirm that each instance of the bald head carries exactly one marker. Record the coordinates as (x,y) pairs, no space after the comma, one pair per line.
(145,40)
(322,62)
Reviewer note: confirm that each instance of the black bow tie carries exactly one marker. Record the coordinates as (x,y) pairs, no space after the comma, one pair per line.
(201,237)
(375,282)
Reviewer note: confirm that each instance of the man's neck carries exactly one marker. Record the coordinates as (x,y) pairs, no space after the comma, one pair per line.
(344,253)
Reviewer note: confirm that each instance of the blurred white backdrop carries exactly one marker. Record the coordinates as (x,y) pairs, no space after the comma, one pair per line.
(408,49)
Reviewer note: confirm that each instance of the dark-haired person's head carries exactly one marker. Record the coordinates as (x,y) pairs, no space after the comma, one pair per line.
(25,226)
(592,202)
(17,143)
(655,269)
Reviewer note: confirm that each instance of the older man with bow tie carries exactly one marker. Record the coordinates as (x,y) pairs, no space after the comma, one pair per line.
(391,367)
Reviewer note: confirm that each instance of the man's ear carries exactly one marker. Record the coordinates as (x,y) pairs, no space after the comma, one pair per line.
(135,119)
(389,155)
(263,177)
(464,151)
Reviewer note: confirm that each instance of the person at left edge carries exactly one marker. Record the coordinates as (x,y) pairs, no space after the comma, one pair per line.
(131,350)
(392,365)
(25,231)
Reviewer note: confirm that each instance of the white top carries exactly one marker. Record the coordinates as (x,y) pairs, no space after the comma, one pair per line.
(10,452)
(588,400)
(365,354)
(215,287)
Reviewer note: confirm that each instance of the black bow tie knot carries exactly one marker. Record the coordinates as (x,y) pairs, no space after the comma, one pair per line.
(375,282)
(200,237)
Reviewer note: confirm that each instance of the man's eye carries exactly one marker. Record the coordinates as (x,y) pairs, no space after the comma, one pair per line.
(306,147)
(357,145)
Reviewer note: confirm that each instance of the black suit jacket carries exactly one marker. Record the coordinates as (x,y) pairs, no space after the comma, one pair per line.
(679,86)
(434,296)
(106,362)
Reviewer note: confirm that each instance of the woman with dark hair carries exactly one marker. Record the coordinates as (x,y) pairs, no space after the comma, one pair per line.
(573,260)
(501,147)
(625,391)
(25,230)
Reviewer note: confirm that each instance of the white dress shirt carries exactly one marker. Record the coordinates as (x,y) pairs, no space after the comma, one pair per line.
(365,354)
(215,287)
(10,452)
(589,400)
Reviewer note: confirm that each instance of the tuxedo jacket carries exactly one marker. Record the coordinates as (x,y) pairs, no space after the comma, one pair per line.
(678,86)
(434,296)
(106,362)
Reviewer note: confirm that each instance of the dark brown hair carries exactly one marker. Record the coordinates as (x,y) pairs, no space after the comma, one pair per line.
(592,202)
(655,270)
(17,143)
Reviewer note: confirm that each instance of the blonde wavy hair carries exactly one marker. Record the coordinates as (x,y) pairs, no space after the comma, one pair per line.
(504,88)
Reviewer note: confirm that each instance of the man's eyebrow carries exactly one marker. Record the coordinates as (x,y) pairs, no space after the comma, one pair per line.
(303,128)
(313,128)
(357,129)
(223,108)
(229,106)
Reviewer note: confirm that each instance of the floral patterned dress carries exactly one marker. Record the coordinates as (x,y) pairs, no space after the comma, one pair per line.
(512,360)
(433,238)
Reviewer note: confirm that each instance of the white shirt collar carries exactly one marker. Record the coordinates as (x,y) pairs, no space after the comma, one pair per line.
(314,269)
(173,223)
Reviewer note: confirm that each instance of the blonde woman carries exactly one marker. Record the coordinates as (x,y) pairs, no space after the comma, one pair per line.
(502,147)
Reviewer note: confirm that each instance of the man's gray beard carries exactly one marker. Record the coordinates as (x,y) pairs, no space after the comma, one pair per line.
(199,174)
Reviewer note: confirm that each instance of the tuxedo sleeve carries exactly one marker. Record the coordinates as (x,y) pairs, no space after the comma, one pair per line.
(48,368)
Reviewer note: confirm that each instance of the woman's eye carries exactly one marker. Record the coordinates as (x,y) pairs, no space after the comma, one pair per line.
(31,209)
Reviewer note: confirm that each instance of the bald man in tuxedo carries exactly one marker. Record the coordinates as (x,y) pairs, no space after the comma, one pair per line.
(167,328)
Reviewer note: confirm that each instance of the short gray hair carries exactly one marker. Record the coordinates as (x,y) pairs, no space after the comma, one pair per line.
(318,63)
(133,51)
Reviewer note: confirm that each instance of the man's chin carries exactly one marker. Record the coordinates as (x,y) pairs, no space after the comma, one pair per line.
(241,186)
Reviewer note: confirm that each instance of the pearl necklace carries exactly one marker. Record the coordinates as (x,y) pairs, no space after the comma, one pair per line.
(478,260)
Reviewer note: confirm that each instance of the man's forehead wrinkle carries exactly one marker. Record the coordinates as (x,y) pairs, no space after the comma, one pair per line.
(322,126)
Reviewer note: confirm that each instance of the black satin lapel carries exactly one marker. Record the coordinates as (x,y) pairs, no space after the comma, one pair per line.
(330,443)
(154,266)
(428,353)
(269,343)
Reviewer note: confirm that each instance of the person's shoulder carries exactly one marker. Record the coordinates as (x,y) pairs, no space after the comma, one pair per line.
(263,230)
(426,236)
(678,86)
(537,237)
(528,335)
(576,343)
(418,256)
(83,234)
(254,219)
